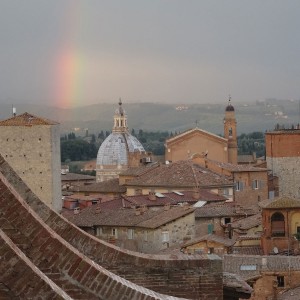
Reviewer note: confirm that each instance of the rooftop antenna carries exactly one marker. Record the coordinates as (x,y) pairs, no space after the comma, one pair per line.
(14,112)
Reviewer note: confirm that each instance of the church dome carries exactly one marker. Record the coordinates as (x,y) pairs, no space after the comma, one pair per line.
(119,151)
(229,108)
(114,150)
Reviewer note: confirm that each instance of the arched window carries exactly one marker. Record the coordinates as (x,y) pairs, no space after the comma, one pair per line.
(277,224)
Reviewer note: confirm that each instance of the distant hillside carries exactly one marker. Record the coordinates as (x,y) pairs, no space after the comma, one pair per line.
(259,116)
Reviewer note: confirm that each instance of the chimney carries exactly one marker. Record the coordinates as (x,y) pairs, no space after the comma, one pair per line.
(152,196)
(167,206)
(76,210)
(144,208)
(185,205)
(137,212)
(98,210)
(197,193)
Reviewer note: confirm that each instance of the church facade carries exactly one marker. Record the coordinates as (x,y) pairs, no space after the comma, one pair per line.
(198,142)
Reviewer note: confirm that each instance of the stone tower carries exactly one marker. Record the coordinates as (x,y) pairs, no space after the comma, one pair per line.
(230,132)
(31,145)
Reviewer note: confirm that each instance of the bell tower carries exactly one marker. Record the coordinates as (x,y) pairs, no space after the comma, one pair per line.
(120,119)
(230,132)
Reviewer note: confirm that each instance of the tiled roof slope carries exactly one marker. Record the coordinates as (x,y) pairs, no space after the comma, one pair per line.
(107,186)
(247,223)
(221,210)
(26,119)
(212,237)
(183,173)
(137,171)
(174,198)
(126,217)
(280,202)
(75,176)
(236,168)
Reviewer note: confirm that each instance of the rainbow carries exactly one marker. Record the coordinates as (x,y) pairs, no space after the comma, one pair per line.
(69,62)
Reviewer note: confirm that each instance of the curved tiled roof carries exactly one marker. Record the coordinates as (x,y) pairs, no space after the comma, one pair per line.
(114,150)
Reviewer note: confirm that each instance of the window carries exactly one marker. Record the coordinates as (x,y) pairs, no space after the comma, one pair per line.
(280,281)
(227,220)
(146,236)
(114,232)
(239,186)
(277,224)
(226,192)
(165,236)
(99,231)
(248,267)
(257,184)
(130,233)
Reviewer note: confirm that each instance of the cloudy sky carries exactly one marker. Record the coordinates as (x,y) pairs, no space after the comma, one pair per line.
(77,52)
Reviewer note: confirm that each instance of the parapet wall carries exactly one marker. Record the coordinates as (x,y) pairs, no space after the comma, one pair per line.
(194,277)
(15,268)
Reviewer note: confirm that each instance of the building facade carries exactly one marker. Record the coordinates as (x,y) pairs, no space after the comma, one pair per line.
(198,142)
(31,145)
(283,158)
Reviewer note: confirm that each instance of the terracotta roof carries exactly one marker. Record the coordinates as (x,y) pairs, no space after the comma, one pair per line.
(247,223)
(174,198)
(221,210)
(189,131)
(75,177)
(108,186)
(280,202)
(183,173)
(26,119)
(251,250)
(236,168)
(137,171)
(249,237)
(76,197)
(126,217)
(211,237)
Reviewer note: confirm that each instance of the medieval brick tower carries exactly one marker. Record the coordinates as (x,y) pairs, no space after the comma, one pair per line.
(31,145)
(230,133)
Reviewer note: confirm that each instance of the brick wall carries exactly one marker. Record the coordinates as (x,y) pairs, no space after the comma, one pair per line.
(195,277)
(22,279)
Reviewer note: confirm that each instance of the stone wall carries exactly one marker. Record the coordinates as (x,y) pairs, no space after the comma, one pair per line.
(195,277)
(34,153)
(288,172)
